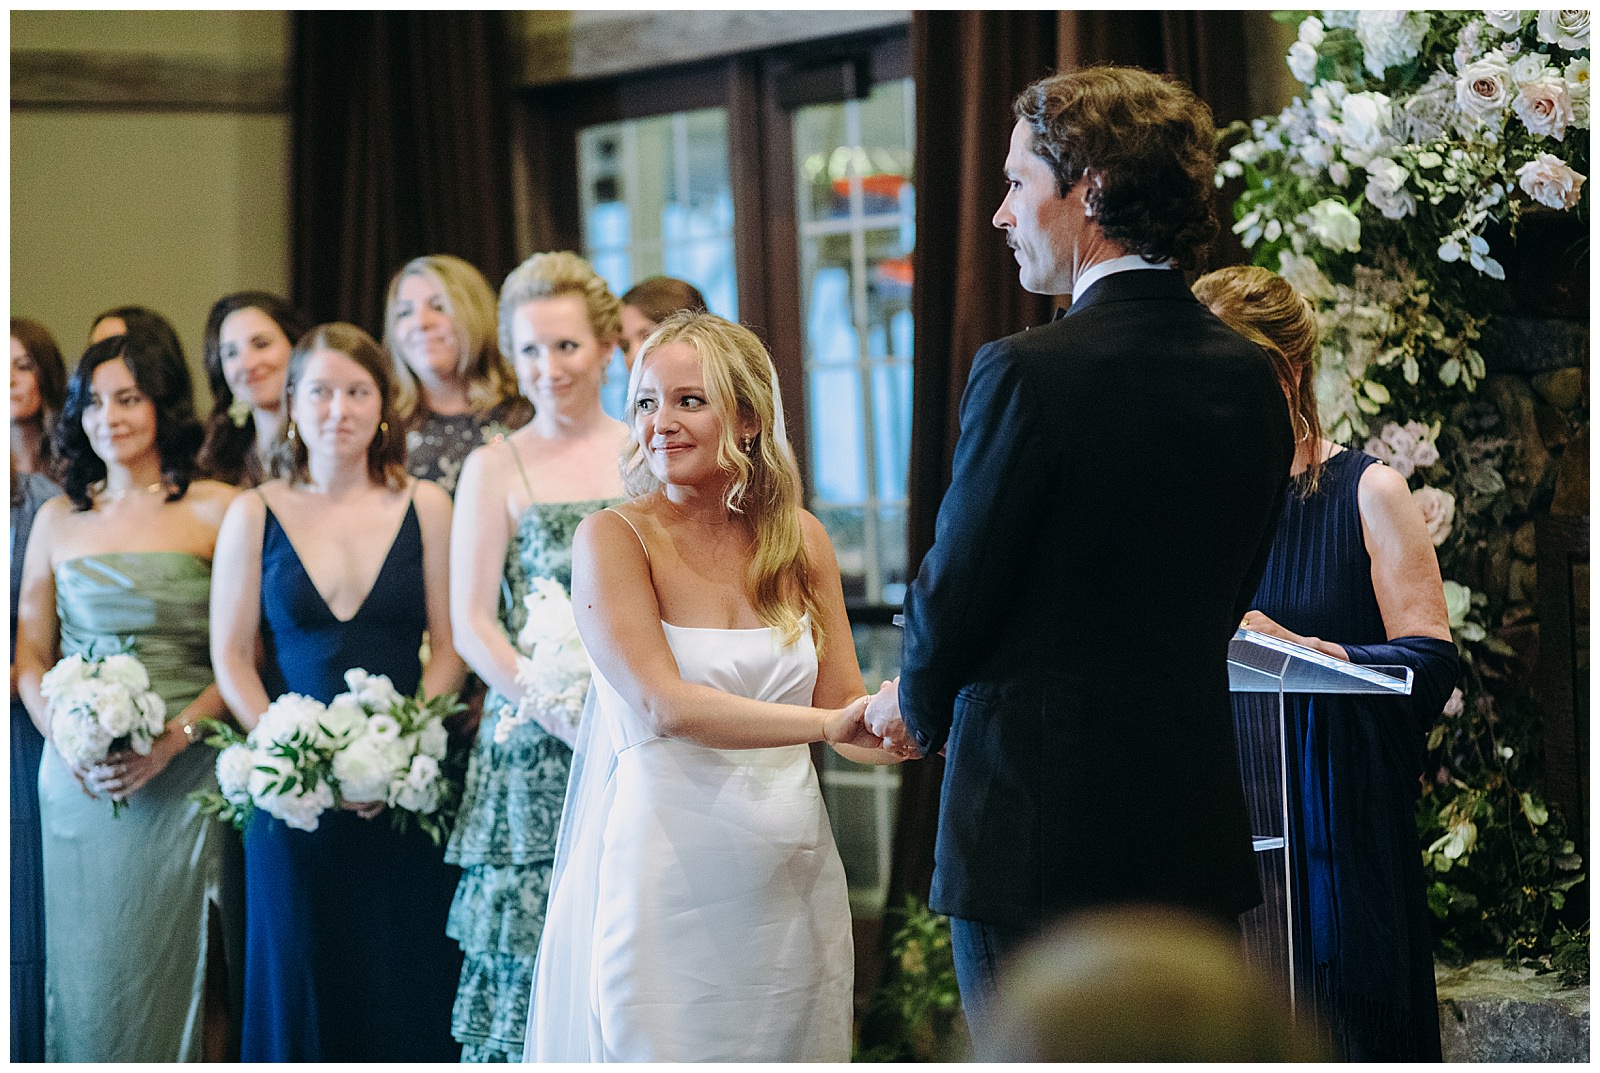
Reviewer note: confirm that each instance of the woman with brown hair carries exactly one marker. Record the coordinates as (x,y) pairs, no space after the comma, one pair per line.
(340,563)
(1352,573)
(38,390)
(248,338)
(453,388)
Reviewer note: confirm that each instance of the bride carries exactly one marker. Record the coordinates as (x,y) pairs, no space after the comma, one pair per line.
(698,910)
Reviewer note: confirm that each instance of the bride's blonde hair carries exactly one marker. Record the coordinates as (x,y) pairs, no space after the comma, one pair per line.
(764,483)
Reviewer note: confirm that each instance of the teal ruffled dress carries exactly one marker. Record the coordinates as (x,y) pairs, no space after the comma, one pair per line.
(505,835)
(128,899)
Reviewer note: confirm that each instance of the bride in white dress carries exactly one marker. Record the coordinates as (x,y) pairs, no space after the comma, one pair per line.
(698,910)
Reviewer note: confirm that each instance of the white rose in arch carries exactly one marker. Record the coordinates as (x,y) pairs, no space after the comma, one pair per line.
(1335,226)
(1567,29)
(1438,511)
(1545,106)
(1483,91)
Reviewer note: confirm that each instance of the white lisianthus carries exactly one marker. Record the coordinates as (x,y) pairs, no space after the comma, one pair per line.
(383,728)
(1364,129)
(1335,226)
(1529,67)
(1438,509)
(1390,38)
(433,740)
(1386,189)
(116,709)
(1550,182)
(1483,91)
(290,715)
(1303,62)
(1544,106)
(234,765)
(372,690)
(1567,29)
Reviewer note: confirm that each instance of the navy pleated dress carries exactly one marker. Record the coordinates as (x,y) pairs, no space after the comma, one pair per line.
(1362,916)
(346,957)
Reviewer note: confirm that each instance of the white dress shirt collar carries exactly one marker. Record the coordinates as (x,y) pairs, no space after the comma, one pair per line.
(1131,262)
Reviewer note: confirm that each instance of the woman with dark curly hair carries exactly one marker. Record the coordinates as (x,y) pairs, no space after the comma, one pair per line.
(248,339)
(38,388)
(142,905)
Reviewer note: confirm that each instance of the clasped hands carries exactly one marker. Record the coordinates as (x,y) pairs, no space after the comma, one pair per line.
(874,723)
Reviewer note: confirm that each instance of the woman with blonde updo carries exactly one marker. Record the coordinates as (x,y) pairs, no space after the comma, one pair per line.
(517,504)
(699,911)
(1352,574)
(453,386)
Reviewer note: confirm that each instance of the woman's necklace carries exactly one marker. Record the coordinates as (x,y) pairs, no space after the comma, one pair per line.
(673,507)
(98,491)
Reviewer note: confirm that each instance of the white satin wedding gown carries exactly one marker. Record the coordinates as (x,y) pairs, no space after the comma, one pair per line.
(698,910)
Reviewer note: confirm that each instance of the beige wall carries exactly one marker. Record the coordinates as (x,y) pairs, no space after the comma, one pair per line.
(149,164)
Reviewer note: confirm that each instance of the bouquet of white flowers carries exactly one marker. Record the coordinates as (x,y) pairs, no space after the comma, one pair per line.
(552,666)
(98,707)
(367,744)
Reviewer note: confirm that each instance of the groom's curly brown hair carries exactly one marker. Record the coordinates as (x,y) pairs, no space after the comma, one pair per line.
(1148,145)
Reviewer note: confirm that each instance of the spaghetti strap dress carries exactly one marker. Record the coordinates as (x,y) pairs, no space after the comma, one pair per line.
(346,955)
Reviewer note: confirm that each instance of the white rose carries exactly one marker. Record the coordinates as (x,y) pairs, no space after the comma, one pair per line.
(1529,67)
(1568,29)
(1335,226)
(234,765)
(1550,182)
(1386,189)
(433,740)
(124,670)
(79,740)
(1544,106)
(364,770)
(65,680)
(1390,38)
(1506,21)
(1483,91)
(1303,62)
(299,809)
(375,691)
(1438,511)
(267,772)
(1311,31)
(1363,131)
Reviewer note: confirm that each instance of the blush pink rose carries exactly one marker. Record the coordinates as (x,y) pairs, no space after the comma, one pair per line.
(1438,511)
(1550,182)
(1544,106)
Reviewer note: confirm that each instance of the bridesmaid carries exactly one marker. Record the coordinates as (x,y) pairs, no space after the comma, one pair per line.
(341,562)
(453,384)
(648,303)
(247,343)
(122,319)
(38,388)
(518,503)
(142,909)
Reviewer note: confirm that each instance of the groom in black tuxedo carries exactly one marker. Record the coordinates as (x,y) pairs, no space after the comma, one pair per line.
(1116,485)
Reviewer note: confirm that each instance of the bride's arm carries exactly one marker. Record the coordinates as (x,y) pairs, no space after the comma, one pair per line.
(838,670)
(619,618)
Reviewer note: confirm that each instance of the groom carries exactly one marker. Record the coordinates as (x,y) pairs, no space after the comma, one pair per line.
(1116,485)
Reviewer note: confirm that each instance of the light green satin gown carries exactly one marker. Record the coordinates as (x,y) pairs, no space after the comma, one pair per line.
(128,899)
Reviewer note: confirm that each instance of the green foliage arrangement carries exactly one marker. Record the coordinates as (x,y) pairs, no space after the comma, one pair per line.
(1423,139)
(919,992)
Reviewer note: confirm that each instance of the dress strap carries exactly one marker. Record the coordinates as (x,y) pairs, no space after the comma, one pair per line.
(636,532)
(523,473)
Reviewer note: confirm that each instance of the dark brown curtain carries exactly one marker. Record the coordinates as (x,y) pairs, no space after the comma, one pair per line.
(401,140)
(969,66)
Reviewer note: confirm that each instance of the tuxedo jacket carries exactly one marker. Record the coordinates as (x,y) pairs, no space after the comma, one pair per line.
(1116,486)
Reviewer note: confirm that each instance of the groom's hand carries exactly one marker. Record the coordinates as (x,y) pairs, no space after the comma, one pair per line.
(883,719)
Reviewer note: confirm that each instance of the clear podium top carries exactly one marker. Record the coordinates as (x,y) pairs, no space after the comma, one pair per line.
(1261,664)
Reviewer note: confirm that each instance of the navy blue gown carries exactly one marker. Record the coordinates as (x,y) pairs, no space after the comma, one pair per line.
(1354,764)
(346,958)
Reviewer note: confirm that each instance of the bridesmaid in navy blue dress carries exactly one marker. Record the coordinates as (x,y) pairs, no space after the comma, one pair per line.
(341,563)
(1352,573)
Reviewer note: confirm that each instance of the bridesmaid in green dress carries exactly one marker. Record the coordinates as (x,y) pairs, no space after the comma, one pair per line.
(517,504)
(142,914)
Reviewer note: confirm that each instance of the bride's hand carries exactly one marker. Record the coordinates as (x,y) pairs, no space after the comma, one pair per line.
(848,726)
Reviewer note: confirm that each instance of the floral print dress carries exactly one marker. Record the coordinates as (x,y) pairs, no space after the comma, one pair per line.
(505,835)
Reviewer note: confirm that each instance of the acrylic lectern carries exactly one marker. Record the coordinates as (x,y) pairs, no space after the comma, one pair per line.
(1262,672)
